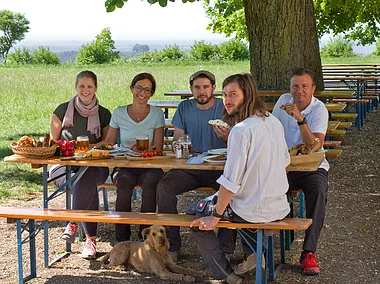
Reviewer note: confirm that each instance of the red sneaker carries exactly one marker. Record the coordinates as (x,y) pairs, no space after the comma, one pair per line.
(309,264)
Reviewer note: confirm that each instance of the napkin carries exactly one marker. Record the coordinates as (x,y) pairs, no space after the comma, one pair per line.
(197,160)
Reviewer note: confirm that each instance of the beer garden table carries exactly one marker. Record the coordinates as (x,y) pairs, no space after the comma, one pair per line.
(165,163)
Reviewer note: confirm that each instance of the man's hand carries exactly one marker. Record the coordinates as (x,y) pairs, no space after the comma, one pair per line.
(205,223)
(222,132)
(293,110)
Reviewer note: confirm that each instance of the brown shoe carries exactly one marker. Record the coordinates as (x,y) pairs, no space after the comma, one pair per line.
(234,279)
(248,264)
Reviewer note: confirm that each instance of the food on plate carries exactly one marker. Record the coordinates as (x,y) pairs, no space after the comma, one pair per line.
(218,122)
(104,147)
(218,158)
(93,153)
(305,148)
(133,154)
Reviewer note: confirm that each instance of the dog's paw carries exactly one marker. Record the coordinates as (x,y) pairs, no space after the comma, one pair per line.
(188,279)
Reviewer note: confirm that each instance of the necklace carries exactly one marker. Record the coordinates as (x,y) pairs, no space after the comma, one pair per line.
(135,116)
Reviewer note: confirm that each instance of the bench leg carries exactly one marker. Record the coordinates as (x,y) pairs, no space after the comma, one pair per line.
(259,256)
(19,252)
(32,250)
(270,255)
(282,246)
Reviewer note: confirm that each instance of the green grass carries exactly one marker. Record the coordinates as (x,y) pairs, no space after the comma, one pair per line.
(29,95)
(369,59)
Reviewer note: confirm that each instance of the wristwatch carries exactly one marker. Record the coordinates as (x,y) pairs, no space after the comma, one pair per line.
(302,122)
(215,214)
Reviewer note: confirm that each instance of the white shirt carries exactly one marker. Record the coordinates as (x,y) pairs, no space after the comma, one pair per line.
(129,129)
(316,115)
(255,171)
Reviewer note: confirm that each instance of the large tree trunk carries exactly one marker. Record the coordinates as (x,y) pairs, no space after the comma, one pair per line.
(282,35)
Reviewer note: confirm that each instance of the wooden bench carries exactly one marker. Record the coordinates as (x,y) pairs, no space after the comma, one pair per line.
(336,133)
(332,144)
(333,153)
(344,116)
(345,125)
(264,230)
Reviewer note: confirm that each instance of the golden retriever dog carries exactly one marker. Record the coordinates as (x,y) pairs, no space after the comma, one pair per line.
(150,256)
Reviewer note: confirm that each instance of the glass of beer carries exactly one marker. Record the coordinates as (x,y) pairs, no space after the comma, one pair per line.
(142,142)
(83,144)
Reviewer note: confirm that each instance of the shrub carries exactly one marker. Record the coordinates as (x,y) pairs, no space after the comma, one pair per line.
(337,47)
(172,53)
(234,50)
(20,55)
(203,51)
(99,51)
(43,55)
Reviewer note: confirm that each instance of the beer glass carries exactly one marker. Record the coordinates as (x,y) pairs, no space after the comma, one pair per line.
(83,144)
(142,142)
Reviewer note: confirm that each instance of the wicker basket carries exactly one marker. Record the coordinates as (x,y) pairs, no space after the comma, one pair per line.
(34,152)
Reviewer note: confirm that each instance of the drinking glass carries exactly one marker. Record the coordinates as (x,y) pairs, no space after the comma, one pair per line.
(83,144)
(142,142)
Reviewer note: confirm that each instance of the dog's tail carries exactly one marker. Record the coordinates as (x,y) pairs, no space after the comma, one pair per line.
(105,258)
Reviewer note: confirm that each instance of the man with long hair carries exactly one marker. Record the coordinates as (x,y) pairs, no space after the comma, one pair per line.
(253,185)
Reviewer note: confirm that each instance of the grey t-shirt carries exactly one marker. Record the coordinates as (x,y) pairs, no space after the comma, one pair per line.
(80,123)
(195,122)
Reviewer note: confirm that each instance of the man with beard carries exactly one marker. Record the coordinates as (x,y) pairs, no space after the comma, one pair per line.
(192,118)
(253,185)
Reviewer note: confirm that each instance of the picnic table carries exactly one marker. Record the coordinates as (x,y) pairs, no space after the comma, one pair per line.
(165,163)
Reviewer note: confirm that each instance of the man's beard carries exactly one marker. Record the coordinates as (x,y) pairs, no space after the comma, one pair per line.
(203,102)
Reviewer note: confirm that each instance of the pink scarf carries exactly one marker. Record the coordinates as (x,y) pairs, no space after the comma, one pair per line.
(91,111)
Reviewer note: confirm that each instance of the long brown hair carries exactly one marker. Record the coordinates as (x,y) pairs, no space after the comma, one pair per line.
(252,104)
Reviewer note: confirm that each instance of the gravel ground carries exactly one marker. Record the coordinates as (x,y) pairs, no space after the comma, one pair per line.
(348,247)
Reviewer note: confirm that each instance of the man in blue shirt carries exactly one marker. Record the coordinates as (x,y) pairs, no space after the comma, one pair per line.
(192,118)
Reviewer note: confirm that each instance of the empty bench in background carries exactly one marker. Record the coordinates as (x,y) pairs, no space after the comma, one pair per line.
(264,230)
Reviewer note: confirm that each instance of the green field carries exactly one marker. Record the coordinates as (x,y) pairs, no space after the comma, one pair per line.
(29,95)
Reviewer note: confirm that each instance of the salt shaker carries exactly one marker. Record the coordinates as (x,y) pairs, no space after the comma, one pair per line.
(178,151)
(185,151)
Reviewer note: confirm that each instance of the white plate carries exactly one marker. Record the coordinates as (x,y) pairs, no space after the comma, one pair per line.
(220,151)
(207,159)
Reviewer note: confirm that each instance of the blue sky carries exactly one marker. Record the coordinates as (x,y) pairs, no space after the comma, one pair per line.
(82,20)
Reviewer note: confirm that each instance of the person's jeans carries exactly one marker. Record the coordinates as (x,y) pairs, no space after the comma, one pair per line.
(315,186)
(212,251)
(176,182)
(125,181)
(85,191)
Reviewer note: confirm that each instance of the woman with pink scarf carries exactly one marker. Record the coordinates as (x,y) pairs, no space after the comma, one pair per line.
(82,115)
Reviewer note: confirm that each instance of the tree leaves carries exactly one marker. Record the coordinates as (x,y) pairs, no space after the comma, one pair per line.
(14,26)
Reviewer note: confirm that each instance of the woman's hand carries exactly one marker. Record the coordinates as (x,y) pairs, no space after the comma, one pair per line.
(133,147)
(205,223)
